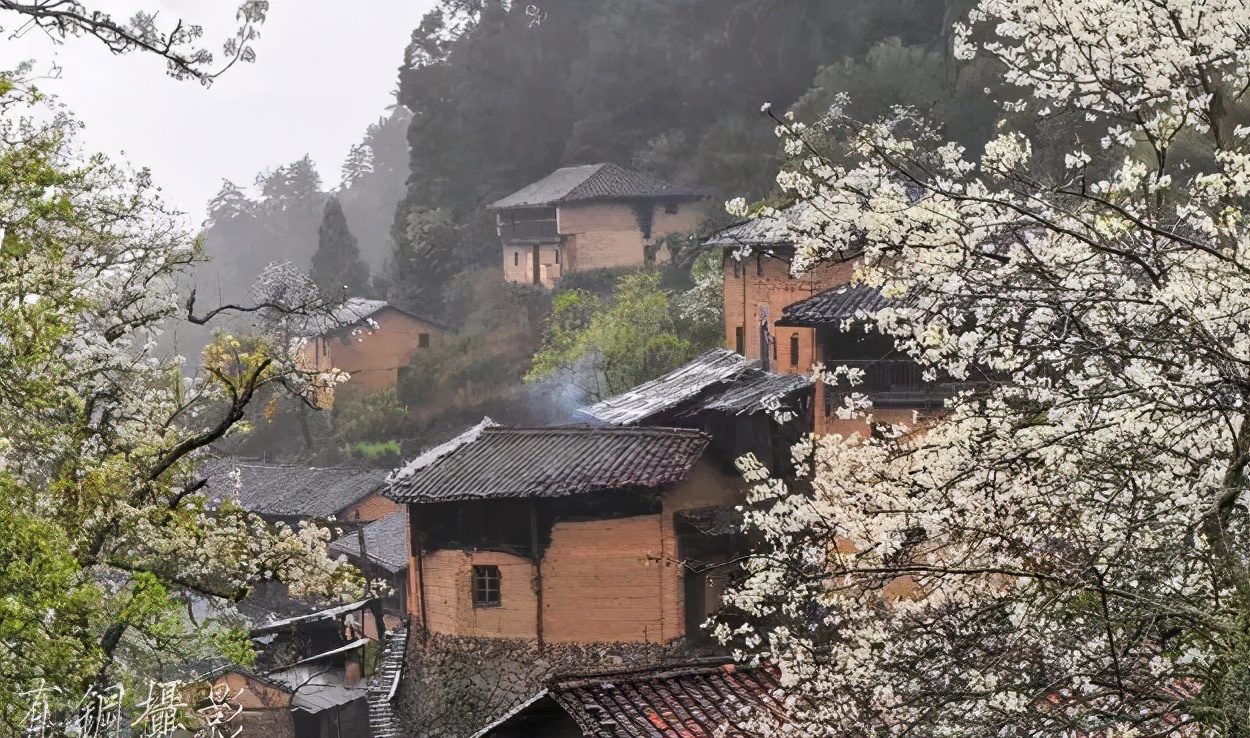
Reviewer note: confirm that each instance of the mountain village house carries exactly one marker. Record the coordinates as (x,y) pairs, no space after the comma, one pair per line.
(566,534)
(589,217)
(370,340)
(790,323)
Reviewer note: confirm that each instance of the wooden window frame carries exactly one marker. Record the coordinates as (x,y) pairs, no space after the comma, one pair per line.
(486,586)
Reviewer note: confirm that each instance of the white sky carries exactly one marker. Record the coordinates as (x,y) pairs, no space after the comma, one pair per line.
(325,70)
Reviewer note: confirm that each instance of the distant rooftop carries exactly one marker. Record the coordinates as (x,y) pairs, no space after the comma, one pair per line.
(769,231)
(717,380)
(353,311)
(554,462)
(386,542)
(832,306)
(291,491)
(669,390)
(593,182)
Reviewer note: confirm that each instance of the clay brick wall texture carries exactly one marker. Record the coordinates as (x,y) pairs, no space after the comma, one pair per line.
(613,580)
(603,580)
(449,589)
(373,357)
(597,236)
(705,487)
(373,507)
(518,263)
(763,284)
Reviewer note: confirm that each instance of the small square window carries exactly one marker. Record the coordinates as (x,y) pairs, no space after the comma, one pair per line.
(670,208)
(423,340)
(486,586)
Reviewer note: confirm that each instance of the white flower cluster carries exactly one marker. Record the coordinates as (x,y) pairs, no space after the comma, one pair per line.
(1064,551)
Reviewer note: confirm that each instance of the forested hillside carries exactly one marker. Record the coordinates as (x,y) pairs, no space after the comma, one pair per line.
(493,95)
(502,94)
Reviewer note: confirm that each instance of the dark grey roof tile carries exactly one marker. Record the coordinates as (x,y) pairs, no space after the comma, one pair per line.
(290,491)
(386,542)
(832,306)
(554,462)
(593,182)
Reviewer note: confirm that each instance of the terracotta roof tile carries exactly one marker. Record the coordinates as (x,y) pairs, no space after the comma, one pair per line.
(715,701)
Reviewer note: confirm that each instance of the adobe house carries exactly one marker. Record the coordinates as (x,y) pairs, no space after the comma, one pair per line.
(892,380)
(286,493)
(370,340)
(695,700)
(790,323)
(566,534)
(722,393)
(589,217)
(758,285)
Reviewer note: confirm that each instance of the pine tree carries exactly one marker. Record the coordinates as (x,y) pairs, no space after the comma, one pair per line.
(336,266)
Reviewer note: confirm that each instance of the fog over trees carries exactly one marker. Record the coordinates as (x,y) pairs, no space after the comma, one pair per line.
(1043,207)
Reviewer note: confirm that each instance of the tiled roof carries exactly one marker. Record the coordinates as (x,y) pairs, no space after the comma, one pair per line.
(429,456)
(716,701)
(747,393)
(776,231)
(268,602)
(666,392)
(290,491)
(353,311)
(329,613)
(384,684)
(592,182)
(318,690)
(386,542)
(717,380)
(832,306)
(554,462)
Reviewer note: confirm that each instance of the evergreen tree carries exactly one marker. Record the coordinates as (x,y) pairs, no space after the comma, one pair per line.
(336,265)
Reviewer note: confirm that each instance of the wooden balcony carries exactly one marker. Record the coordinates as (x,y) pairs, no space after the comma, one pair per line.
(529,232)
(892,383)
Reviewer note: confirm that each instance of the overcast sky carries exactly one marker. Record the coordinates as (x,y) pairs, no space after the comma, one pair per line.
(325,70)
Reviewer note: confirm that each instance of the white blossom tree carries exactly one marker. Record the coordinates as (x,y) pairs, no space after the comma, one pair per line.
(178,43)
(1065,552)
(103,526)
